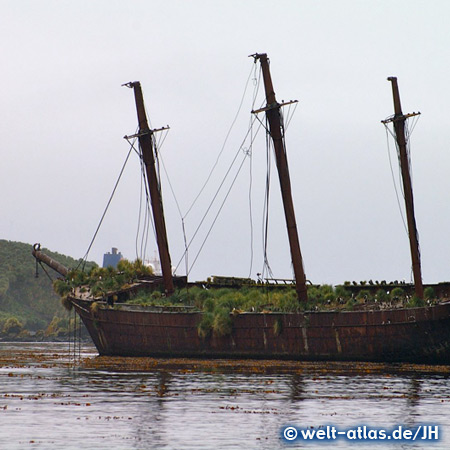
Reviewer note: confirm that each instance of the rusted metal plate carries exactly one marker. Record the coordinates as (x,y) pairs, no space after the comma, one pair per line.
(413,335)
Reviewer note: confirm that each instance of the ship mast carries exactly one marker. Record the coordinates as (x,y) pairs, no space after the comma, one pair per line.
(398,121)
(146,142)
(276,130)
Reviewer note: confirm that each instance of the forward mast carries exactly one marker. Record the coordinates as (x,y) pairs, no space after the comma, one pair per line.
(147,144)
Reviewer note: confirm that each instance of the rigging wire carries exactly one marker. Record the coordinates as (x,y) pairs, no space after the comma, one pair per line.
(215,196)
(247,153)
(148,217)
(408,133)
(290,115)
(266,265)
(183,217)
(183,227)
(147,214)
(223,145)
(44,269)
(140,205)
(84,259)
(256,84)
(269,148)
(393,178)
(218,212)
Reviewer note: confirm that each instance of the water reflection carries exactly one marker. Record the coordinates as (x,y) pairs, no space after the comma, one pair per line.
(214,405)
(414,394)
(162,385)
(296,388)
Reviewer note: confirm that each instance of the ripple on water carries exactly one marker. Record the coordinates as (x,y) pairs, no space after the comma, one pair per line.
(47,401)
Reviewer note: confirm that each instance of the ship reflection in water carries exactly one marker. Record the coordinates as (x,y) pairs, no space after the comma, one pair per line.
(47,401)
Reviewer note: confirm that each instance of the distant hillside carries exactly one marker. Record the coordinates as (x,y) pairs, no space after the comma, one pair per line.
(26,302)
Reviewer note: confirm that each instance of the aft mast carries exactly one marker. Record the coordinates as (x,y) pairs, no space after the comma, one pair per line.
(272,110)
(146,142)
(398,121)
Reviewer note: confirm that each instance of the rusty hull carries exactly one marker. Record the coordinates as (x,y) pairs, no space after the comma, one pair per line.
(420,335)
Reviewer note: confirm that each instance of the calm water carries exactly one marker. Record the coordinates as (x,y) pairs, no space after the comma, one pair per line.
(47,402)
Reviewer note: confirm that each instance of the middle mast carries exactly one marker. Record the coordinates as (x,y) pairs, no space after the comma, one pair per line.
(276,130)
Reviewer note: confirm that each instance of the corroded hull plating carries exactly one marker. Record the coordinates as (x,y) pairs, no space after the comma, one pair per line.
(419,335)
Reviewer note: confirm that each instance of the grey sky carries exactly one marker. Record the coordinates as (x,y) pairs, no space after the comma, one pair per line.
(64,113)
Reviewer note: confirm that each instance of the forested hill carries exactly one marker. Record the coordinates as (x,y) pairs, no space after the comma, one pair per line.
(27,303)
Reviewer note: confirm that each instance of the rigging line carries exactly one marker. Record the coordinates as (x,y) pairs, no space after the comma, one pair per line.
(170,186)
(400,176)
(186,248)
(223,146)
(216,194)
(178,207)
(266,265)
(292,115)
(265,223)
(257,84)
(106,209)
(139,214)
(148,216)
(250,154)
(144,239)
(149,220)
(415,119)
(132,141)
(393,180)
(162,139)
(142,184)
(145,230)
(45,271)
(392,133)
(265,206)
(408,151)
(265,215)
(218,212)
(158,172)
(262,123)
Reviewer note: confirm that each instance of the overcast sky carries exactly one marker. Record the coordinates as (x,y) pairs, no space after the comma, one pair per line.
(64,115)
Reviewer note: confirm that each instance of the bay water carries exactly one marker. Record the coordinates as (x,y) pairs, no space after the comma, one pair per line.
(51,398)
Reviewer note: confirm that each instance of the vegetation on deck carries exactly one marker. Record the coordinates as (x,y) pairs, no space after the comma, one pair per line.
(98,282)
(219,305)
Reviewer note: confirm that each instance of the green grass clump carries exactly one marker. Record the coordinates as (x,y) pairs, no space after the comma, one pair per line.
(350,304)
(278,327)
(397,293)
(416,302)
(222,323)
(205,326)
(341,293)
(381,295)
(429,293)
(101,281)
(363,294)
